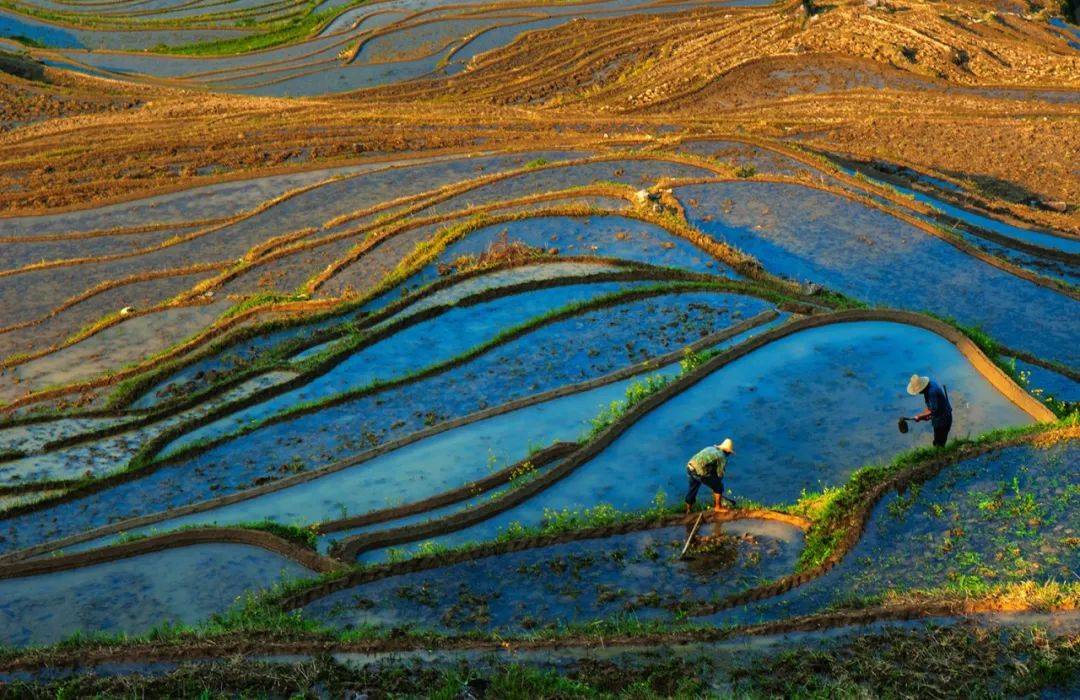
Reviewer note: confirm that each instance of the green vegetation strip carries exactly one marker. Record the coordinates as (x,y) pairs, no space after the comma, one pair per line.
(274,34)
(303,23)
(837,512)
(245,630)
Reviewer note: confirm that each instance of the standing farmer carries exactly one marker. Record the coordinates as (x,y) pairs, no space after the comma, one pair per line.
(707,467)
(938,409)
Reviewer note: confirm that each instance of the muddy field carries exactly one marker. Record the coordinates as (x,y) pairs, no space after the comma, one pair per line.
(361,347)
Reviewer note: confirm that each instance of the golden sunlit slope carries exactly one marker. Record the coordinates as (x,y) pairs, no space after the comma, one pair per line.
(913,82)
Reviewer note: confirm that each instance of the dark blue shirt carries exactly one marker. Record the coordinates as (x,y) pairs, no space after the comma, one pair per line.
(938,403)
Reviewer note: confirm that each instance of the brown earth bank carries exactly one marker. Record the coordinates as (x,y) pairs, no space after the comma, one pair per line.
(31,92)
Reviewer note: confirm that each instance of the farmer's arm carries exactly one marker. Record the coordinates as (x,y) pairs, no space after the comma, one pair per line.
(933,404)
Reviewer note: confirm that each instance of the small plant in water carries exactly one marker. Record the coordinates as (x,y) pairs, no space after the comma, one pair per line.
(637,392)
(691,360)
(430,548)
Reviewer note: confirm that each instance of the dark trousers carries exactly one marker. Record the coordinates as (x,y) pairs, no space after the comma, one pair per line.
(694,482)
(941,431)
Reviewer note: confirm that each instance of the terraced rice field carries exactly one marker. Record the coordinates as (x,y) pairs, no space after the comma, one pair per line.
(349,342)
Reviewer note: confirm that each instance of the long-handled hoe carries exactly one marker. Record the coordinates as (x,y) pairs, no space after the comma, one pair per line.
(693,531)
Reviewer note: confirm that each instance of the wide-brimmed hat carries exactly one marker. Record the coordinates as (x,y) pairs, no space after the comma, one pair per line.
(727,446)
(916,384)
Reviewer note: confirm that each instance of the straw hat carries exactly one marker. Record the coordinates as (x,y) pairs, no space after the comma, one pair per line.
(916,384)
(727,446)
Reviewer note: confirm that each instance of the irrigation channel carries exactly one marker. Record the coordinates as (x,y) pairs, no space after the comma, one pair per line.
(457,394)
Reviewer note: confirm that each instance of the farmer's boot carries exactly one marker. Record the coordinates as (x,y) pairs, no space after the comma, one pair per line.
(688,509)
(716,503)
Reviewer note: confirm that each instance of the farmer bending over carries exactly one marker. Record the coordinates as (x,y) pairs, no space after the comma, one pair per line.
(938,409)
(707,467)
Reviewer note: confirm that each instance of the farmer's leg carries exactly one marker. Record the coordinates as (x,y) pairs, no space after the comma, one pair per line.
(691,492)
(717,485)
(941,432)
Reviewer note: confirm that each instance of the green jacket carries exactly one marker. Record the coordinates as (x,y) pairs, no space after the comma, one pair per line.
(710,461)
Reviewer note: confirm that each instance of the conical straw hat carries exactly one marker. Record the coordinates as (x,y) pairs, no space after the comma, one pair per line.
(917,384)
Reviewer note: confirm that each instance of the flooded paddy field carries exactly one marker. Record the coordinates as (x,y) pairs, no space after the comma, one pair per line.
(854,248)
(135,595)
(365,346)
